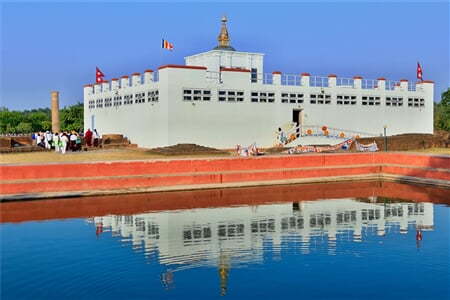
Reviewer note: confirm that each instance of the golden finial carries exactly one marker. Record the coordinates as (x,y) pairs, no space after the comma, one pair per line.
(224,39)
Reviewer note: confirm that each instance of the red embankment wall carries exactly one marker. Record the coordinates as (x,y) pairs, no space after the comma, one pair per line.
(41,180)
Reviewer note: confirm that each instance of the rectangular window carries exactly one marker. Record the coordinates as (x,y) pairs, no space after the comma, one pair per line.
(231,96)
(254,75)
(370,100)
(152,96)
(196,95)
(320,98)
(346,99)
(293,98)
(108,102)
(140,97)
(416,102)
(262,97)
(117,101)
(394,101)
(128,99)
(99,103)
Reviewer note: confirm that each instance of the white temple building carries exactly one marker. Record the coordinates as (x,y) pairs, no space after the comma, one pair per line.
(222,97)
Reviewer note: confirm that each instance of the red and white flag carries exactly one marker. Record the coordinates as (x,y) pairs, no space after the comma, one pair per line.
(419,72)
(98,75)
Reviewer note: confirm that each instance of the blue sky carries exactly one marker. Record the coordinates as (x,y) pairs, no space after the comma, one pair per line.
(55,45)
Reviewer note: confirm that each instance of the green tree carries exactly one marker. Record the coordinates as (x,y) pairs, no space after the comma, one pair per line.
(442,112)
(72,117)
(9,120)
(24,127)
(46,125)
(38,119)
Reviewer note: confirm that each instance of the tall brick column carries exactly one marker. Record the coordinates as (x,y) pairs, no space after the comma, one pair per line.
(55,111)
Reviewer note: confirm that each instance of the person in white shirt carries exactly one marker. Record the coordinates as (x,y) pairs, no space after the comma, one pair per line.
(64,141)
(56,140)
(73,141)
(39,140)
(96,137)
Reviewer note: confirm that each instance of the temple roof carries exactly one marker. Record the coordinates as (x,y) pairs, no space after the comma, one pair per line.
(224,38)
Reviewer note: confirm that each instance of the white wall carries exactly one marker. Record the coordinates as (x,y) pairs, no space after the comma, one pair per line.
(215,59)
(173,120)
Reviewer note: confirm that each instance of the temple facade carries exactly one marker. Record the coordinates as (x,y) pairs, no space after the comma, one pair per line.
(223,97)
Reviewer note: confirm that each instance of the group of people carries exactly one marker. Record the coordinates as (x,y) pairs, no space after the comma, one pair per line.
(65,141)
(59,141)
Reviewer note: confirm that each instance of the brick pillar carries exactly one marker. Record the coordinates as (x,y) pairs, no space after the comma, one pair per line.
(55,112)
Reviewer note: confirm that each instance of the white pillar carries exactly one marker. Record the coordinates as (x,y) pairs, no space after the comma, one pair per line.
(357,82)
(148,76)
(114,84)
(276,78)
(304,81)
(97,88)
(136,79)
(332,80)
(381,83)
(88,90)
(105,86)
(404,84)
(125,81)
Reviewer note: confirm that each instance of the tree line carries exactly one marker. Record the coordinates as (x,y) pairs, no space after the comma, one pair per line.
(442,112)
(71,118)
(35,120)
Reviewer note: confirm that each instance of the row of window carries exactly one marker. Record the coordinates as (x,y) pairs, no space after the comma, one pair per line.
(150,96)
(200,233)
(231,96)
(256,97)
(296,98)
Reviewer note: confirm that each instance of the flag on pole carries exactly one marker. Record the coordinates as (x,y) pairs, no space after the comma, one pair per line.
(98,75)
(166,45)
(419,72)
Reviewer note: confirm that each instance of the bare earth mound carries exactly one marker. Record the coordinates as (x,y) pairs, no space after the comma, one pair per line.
(186,149)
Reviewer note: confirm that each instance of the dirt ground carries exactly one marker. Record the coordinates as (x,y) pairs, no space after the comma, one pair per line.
(113,154)
(173,152)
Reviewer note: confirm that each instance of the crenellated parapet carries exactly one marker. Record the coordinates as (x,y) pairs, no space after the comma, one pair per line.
(117,84)
(240,76)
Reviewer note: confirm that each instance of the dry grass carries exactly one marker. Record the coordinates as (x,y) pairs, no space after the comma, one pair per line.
(445,151)
(87,156)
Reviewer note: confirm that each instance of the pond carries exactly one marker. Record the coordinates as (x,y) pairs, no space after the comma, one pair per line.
(365,240)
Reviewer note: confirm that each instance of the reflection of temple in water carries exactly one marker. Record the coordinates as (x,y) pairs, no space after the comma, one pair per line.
(229,237)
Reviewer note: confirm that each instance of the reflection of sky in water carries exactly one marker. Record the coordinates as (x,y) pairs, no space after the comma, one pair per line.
(329,249)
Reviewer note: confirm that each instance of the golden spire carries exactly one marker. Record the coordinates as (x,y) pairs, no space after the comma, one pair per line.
(224,38)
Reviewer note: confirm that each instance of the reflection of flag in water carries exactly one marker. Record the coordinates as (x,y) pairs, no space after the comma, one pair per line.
(167,280)
(98,75)
(419,71)
(166,45)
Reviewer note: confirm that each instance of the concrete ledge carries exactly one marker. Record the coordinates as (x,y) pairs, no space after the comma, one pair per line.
(22,182)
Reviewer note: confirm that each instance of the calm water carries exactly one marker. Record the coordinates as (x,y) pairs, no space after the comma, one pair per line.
(374,245)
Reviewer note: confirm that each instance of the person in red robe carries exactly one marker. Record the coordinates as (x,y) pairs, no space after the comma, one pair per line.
(88,137)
